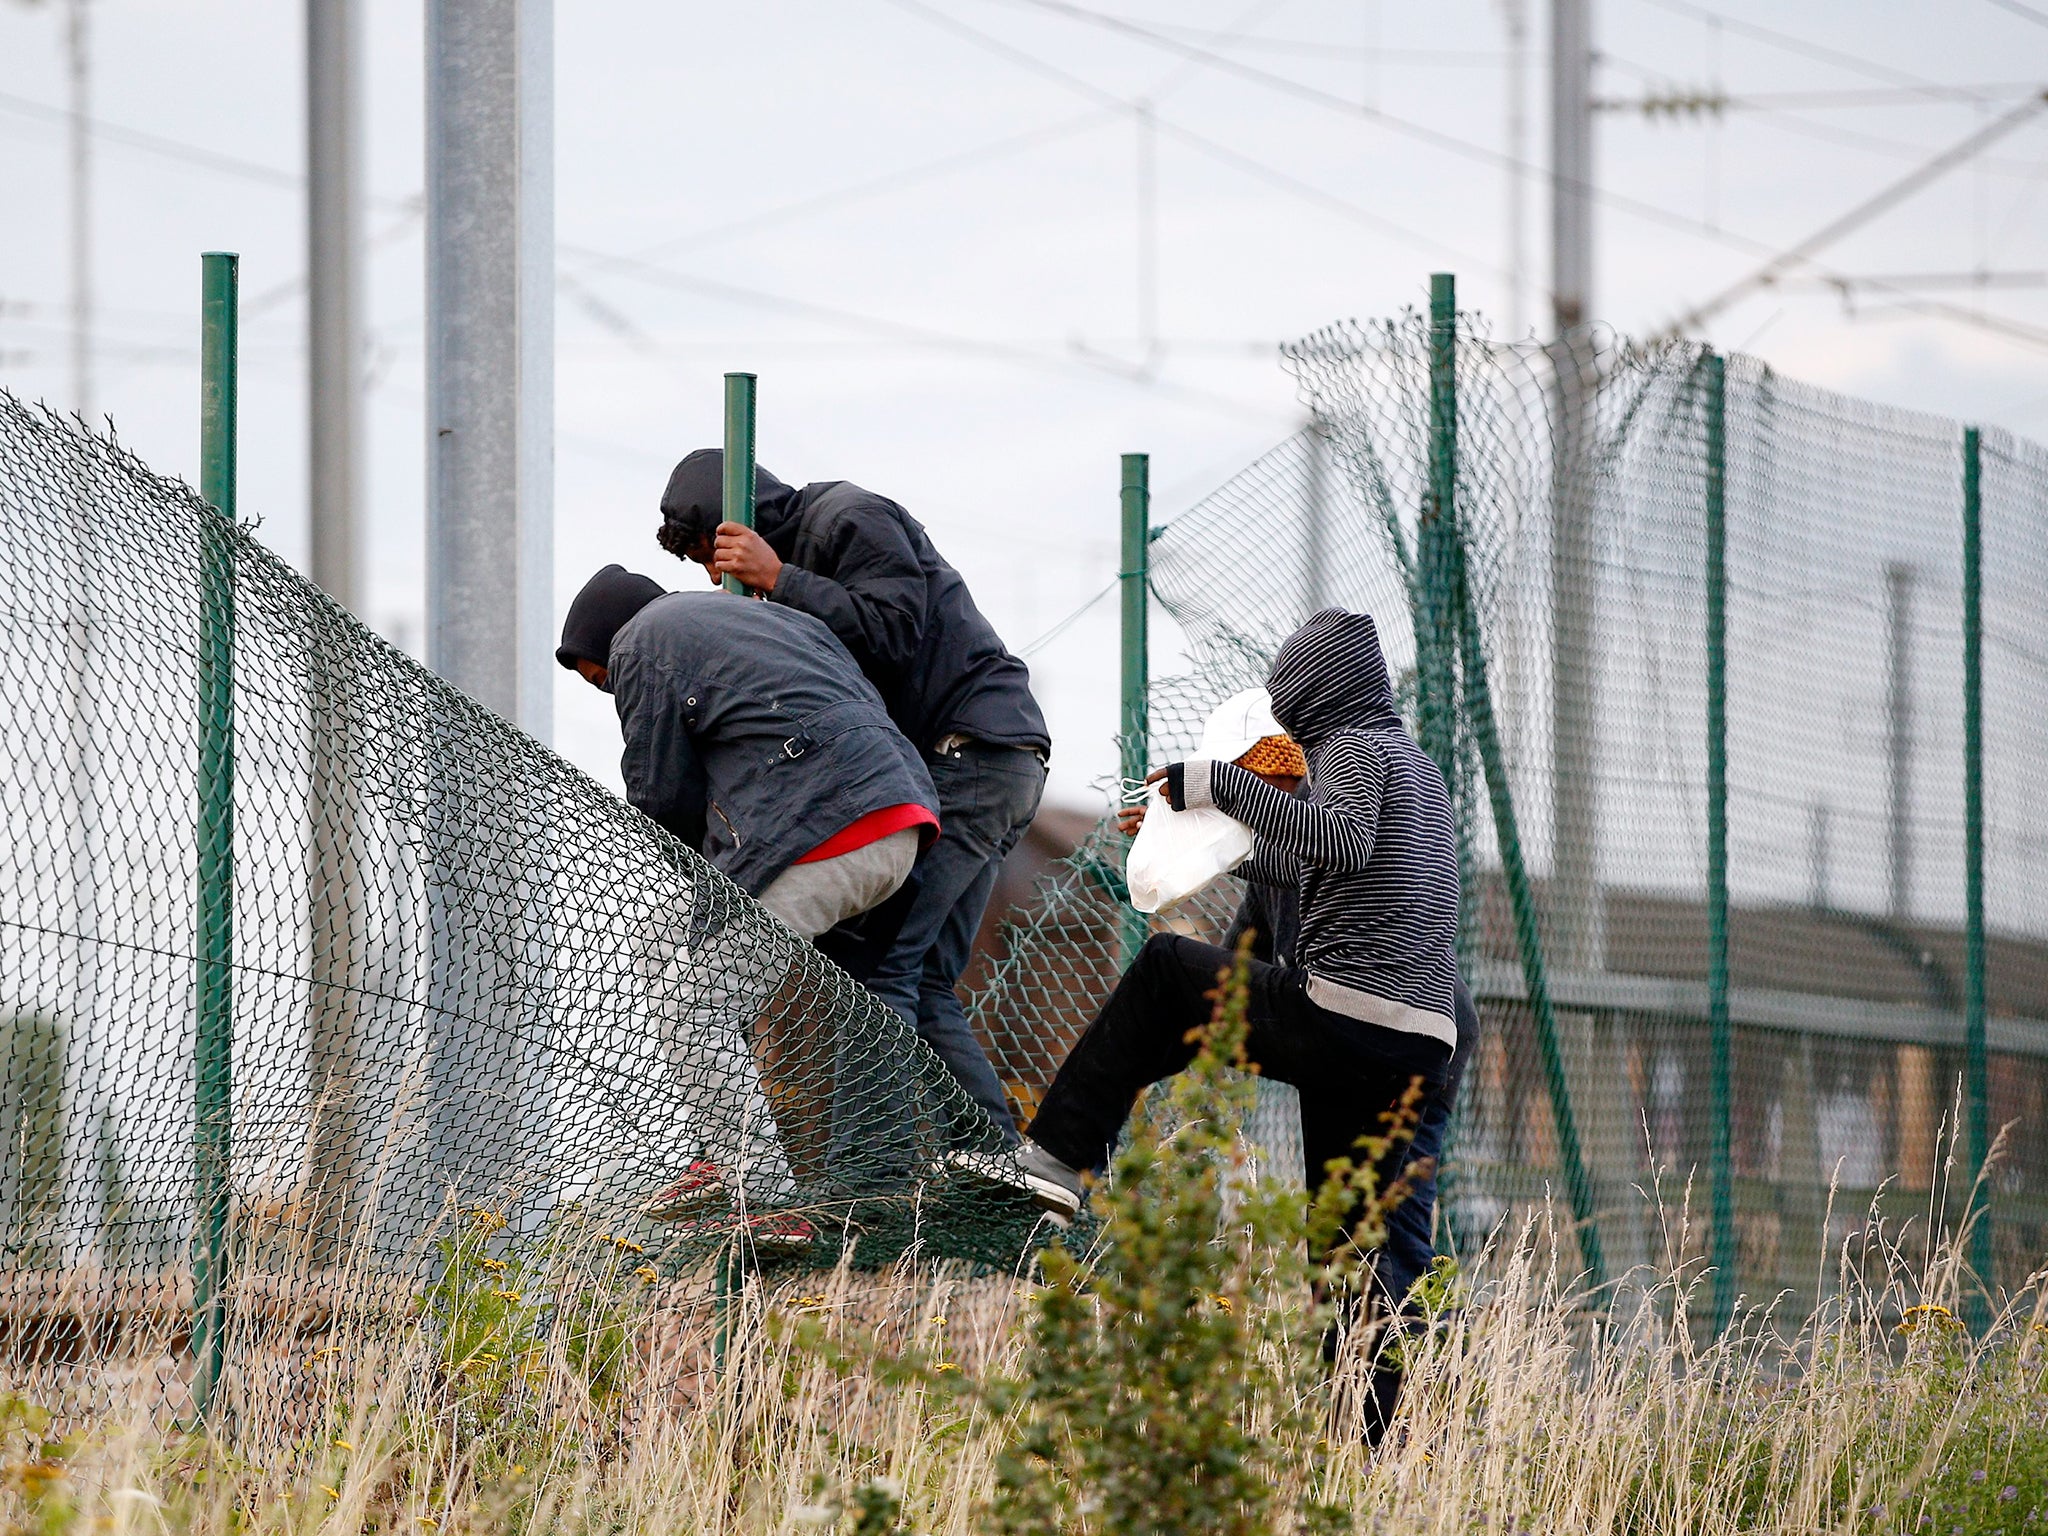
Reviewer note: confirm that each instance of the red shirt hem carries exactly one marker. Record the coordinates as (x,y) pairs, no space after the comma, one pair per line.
(871,828)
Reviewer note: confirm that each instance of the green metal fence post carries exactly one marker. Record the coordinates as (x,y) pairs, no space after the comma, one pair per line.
(738,495)
(214,999)
(1976,1067)
(1720,1042)
(1134,578)
(721,1308)
(1571,1155)
(1437,540)
(1436,637)
(1446,634)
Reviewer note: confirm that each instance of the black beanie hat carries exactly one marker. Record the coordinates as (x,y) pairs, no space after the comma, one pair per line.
(694,503)
(600,611)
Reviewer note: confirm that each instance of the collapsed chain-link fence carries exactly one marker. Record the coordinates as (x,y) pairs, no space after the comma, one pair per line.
(425,976)
(1556,655)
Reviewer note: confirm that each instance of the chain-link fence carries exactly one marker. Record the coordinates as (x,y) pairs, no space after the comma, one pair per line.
(303,954)
(1690,641)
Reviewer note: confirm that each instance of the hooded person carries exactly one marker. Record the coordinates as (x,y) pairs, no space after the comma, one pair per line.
(1365,1009)
(863,566)
(751,734)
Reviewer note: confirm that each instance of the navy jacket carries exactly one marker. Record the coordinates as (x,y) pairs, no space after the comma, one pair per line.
(751,733)
(866,567)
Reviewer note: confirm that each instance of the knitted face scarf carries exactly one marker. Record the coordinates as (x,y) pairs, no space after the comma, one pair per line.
(1276,755)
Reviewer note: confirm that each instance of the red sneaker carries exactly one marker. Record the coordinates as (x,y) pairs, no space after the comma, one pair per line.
(701,1187)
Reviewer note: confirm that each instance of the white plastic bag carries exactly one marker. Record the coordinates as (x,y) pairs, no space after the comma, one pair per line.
(1176,853)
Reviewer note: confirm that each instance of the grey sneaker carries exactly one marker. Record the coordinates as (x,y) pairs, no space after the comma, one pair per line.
(1030,1168)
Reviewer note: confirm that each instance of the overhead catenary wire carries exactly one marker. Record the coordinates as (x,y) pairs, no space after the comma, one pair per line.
(1870,208)
(1423,133)
(877,186)
(1213,148)
(1870,69)
(1771,101)
(1451,143)
(1052,634)
(1318,48)
(2030,13)
(902,330)
(410,208)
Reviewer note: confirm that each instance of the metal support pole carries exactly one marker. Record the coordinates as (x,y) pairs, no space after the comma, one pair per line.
(1517,21)
(1571,163)
(490,587)
(1976,1066)
(738,495)
(338,907)
(1575,902)
(490,353)
(78,48)
(334,292)
(214,998)
(1721,1043)
(1134,578)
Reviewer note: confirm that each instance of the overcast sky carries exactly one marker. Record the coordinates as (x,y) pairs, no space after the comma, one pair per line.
(919,221)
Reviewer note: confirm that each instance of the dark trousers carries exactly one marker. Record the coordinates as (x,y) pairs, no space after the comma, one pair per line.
(1411,1240)
(987,797)
(1349,1073)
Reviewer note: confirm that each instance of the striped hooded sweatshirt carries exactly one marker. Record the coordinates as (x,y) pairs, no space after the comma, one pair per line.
(1370,846)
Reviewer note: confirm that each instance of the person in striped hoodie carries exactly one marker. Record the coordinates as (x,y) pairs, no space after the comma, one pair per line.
(1365,1007)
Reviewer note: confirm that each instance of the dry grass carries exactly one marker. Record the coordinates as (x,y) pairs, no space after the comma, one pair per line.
(1878,1413)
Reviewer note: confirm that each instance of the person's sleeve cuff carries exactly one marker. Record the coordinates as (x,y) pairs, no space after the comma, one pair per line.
(789,586)
(1196,793)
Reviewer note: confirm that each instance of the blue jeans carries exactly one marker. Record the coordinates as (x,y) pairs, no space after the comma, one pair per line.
(1410,1247)
(987,797)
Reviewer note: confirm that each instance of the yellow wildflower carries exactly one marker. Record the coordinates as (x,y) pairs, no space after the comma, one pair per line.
(495,1266)
(506,1295)
(428,1521)
(332,1493)
(944,1366)
(487,1221)
(1223,1302)
(1929,1313)
(343,1445)
(646,1274)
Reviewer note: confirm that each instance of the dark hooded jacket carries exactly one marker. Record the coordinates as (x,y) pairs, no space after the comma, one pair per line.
(865,566)
(1271,914)
(1371,846)
(750,733)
